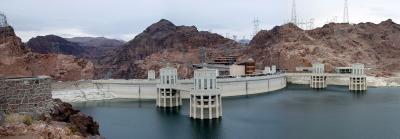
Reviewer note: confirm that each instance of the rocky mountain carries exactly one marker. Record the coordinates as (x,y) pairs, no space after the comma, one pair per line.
(17,60)
(160,43)
(82,47)
(287,46)
(376,45)
(96,41)
(52,44)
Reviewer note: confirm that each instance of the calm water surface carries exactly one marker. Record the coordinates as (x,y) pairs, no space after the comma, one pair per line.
(296,112)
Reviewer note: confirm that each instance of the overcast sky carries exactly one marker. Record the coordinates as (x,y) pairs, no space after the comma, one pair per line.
(123,19)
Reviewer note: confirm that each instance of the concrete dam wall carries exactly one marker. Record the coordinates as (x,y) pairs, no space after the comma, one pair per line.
(146,89)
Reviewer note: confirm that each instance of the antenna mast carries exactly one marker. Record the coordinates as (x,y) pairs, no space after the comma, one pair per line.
(346,12)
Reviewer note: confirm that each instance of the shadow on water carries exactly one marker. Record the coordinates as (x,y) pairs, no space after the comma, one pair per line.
(359,95)
(174,111)
(206,129)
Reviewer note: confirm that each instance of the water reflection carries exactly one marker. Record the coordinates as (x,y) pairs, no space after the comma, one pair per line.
(168,111)
(206,129)
(359,94)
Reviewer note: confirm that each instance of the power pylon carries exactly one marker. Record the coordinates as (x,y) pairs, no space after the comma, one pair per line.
(346,12)
(294,13)
(256,26)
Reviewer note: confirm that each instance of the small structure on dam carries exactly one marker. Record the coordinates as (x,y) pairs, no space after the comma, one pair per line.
(205,98)
(318,79)
(151,75)
(167,94)
(358,80)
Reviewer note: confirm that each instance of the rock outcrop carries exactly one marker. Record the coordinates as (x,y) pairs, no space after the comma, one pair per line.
(62,122)
(160,43)
(17,60)
(63,112)
(376,45)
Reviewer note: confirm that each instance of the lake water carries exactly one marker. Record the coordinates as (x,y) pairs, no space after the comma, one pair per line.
(295,112)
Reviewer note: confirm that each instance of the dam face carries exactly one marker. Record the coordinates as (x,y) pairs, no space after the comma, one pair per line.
(147,89)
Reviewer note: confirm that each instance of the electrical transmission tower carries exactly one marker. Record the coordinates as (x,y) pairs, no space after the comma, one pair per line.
(310,24)
(3,24)
(3,20)
(256,25)
(294,13)
(346,12)
(5,31)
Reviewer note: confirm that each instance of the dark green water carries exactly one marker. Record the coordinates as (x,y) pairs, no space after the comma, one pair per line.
(296,112)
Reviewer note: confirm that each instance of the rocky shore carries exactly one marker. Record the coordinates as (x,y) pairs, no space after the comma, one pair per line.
(62,122)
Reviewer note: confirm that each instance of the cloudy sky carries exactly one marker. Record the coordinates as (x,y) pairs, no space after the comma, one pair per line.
(123,19)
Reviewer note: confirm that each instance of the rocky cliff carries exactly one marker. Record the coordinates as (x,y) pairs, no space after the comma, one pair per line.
(376,45)
(17,60)
(160,43)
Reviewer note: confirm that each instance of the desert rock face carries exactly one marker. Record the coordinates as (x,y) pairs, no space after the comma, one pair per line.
(8,40)
(376,45)
(160,43)
(16,60)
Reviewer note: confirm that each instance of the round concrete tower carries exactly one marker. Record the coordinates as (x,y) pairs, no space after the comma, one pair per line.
(205,98)
(167,94)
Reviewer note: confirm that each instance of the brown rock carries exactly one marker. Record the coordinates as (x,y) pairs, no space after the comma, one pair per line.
(376,45)
(160,43)
(85,124)
(64,112)
(16,60)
